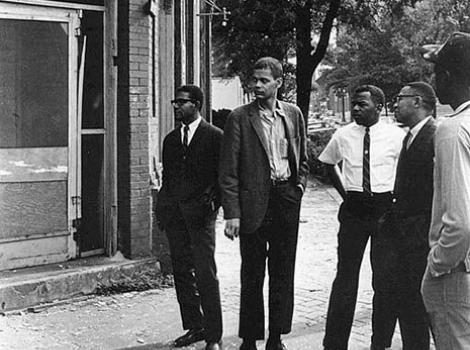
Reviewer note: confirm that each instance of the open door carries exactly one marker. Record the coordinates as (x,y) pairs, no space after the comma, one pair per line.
(39,137)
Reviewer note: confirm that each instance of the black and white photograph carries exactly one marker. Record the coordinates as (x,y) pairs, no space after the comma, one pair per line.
(235,174)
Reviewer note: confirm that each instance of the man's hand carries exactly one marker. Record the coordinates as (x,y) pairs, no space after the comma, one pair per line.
(232,228)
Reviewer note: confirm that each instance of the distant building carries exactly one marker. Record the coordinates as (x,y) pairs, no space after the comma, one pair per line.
(227,93)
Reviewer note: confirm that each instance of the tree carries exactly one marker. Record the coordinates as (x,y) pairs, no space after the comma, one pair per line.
(285,29)
(388,55)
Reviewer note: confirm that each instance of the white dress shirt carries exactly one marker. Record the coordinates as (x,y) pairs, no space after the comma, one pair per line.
(449,235)
(346,145)
(192,129)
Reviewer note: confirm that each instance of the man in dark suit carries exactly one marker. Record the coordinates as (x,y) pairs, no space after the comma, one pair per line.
(405,227)
(263,174)
(186,209)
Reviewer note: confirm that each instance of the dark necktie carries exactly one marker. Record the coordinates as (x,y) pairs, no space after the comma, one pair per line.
(185,137)
(405,140)
(399,176)
(366,164)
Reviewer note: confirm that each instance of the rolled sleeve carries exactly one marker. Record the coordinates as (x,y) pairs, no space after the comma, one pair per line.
(332,152)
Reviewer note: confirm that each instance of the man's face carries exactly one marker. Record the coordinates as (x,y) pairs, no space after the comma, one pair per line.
(405,105)
(264,84)
(185,107)
(364,110)
(443,85)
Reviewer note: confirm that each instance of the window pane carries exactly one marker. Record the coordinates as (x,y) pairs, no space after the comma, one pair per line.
(92,115)
(92,192)
(33,84)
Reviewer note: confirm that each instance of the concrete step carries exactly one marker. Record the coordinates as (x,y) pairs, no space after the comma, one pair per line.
(28,287)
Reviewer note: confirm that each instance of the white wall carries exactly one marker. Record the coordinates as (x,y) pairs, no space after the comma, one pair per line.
(226,93)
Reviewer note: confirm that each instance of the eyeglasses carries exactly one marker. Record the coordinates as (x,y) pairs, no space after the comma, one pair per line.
(398,97)
(180,101)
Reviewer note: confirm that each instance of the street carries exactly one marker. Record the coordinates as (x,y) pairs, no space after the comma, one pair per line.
(150,319)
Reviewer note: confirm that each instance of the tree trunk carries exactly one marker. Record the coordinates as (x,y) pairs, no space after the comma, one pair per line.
(306,61)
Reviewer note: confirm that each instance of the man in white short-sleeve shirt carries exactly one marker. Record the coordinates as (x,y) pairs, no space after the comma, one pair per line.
(368,150)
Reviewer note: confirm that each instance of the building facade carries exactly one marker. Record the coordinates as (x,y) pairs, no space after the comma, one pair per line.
(85,94)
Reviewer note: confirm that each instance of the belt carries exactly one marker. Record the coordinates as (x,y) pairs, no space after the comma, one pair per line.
(278,182)
(372,195)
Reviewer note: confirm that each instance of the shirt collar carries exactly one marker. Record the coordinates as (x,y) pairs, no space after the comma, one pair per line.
(461,108)
(415,130)
(193,125)
(278,110)
(371,128)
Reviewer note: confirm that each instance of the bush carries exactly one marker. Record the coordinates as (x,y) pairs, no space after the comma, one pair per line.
(316,142)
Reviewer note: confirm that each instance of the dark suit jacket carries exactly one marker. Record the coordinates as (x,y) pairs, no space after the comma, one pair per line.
(414,180)
(245,173)
(410,216)
(189,181)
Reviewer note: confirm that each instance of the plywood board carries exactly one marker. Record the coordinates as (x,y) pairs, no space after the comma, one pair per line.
(32,208)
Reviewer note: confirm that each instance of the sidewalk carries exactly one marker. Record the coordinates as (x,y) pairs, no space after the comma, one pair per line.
(150,320)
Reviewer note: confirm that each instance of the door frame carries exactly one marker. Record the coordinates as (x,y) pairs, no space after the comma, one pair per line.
(55,11)
(70,17)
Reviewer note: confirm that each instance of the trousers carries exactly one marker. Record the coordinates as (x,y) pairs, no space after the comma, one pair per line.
(192,247)
(447,301)
(276,242)
(358,217)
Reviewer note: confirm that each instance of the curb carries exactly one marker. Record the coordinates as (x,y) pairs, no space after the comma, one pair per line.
(50,284)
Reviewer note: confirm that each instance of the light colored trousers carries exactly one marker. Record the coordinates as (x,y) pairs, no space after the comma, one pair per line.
(447,301)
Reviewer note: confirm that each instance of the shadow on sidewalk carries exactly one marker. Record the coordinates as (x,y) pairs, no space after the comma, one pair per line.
(229,343)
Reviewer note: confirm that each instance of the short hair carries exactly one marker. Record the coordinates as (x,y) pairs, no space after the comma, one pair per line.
(269,63)
(454,56)
(376,93)
(194,92)
(426,92)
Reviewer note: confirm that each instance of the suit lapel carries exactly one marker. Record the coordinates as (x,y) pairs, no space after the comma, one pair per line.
(198,134)
(256,123)
(288,124)
(421,136)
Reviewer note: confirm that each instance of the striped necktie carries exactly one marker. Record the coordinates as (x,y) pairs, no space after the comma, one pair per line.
(366,164)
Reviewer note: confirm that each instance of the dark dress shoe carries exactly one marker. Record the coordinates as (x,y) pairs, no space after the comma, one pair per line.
(214,346)
(248,345)
(275,345)
(191,336)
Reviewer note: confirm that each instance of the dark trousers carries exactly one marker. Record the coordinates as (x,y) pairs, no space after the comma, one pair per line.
(192,246)
(404,256)
(358,216)
(276,241)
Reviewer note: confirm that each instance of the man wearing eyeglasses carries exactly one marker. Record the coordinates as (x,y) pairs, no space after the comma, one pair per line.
(446,282)
(404,228)
(187,207)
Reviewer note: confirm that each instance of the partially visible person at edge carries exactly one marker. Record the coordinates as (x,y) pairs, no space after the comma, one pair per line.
(368,150)
(263,174)
(187,208)
(446,282)
(403,230)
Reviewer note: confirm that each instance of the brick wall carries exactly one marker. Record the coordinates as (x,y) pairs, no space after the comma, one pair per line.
(134,113)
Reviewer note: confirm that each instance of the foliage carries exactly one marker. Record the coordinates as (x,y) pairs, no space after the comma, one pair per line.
(285,29)
(388,54)
(316,142)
